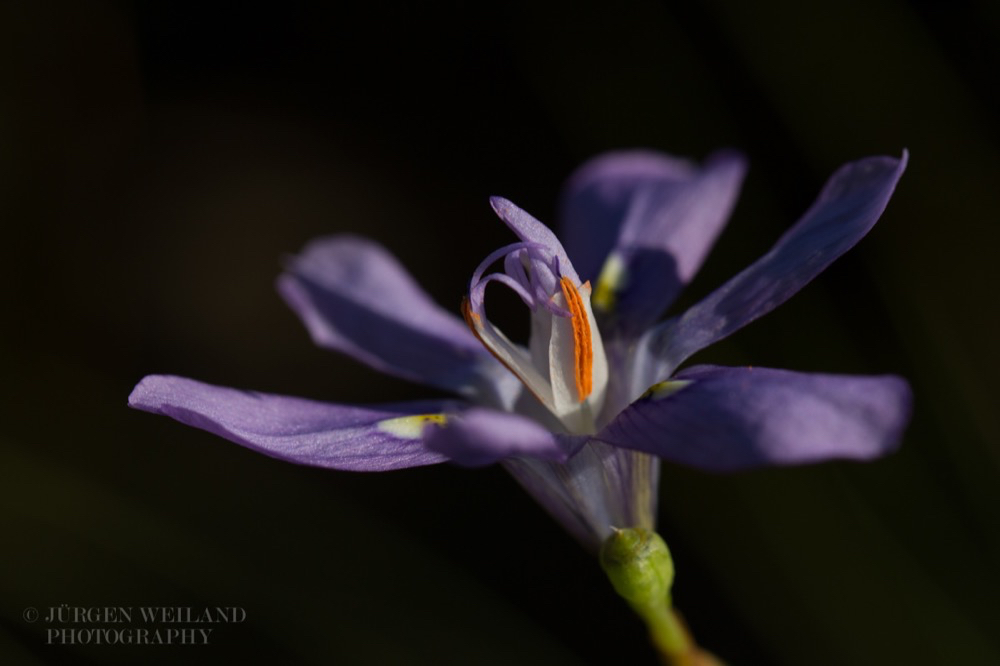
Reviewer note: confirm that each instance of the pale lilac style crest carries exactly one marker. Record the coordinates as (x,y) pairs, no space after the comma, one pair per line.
(582,414)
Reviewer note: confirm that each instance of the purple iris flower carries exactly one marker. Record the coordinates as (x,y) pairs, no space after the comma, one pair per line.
(583,413)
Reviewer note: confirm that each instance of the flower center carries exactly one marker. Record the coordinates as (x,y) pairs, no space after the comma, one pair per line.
(564,365)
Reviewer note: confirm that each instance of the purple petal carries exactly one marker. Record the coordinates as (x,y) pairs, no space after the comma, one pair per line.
(356,298)
(658,215)
(362,439)
(736,418)
(847,208)
(483,436)
(597,197)
(530,230)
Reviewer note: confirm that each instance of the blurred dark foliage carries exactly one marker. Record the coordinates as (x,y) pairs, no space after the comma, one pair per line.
(158,159)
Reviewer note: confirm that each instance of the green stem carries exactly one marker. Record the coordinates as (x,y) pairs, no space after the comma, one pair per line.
(666,631)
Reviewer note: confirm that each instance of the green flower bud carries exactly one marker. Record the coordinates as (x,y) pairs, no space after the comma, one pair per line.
(639,565)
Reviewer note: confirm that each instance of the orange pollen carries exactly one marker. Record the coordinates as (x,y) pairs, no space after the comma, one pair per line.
(583,357)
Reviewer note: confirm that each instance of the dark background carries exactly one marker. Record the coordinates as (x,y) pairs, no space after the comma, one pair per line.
(159,158)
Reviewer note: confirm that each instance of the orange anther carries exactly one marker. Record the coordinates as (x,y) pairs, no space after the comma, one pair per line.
(583,356)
